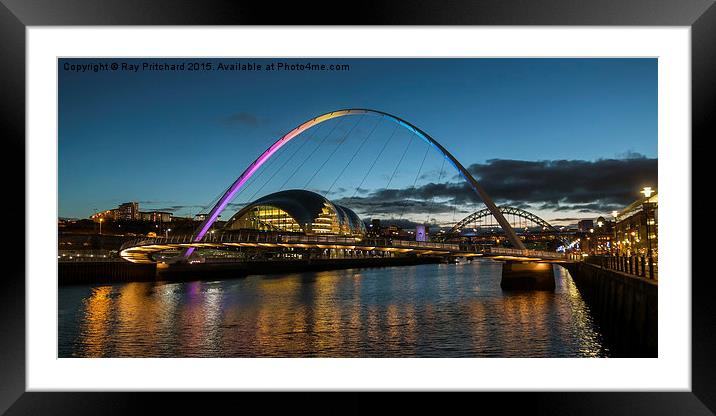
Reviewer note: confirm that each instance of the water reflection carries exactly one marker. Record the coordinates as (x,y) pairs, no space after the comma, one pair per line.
(96,321)
(424,311)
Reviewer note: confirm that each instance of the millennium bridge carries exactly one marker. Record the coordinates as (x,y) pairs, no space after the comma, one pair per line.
(143,250)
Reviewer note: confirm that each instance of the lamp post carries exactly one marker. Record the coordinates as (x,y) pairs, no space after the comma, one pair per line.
(100,225)
(615,214)
(647,191)
(166,233)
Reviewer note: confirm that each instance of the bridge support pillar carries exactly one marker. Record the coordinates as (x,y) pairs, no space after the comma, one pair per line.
(518,275)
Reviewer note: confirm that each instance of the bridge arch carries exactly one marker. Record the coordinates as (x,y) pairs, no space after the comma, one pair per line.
(505,210)
(253,167)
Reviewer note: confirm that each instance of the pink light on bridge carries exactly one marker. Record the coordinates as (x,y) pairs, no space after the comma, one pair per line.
(241,180)
(231,192)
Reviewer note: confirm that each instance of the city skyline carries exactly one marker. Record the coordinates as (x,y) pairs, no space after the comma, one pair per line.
(551,134)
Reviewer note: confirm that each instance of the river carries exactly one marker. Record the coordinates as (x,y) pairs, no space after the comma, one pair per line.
(431,310)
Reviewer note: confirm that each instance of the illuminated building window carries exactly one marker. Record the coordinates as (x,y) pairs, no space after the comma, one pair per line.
(297,211)
(267,218)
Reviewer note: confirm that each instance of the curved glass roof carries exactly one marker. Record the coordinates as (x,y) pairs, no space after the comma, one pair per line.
(305,207)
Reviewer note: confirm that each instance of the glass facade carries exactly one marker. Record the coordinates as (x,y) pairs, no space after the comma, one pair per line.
(266,218)
(297,211)
(327,222)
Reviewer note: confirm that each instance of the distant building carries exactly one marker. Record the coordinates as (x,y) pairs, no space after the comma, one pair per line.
(155,216)
(374,229)
(421,232)
(110,214)
(632,224)
(129,211)
(393,231)
(584,226)
(602,237)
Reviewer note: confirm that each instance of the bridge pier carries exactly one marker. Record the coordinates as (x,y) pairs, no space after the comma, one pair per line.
(517,275)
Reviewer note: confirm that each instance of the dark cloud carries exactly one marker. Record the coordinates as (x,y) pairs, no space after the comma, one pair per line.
(629,154)
(242,118)
(558,185)
(571,219)
(389,202)
(152,202)
(604,184)
(576,186)
(177,208)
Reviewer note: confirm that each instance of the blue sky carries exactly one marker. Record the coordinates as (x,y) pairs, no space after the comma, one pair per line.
(175,140)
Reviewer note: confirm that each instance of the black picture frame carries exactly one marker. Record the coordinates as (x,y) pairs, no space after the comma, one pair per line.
(16,15)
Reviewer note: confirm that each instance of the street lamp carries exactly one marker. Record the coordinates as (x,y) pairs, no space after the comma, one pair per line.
(166,233)
(647,191)
(100,225)
(615,214)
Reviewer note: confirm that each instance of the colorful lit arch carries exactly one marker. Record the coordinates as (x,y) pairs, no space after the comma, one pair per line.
(253,167)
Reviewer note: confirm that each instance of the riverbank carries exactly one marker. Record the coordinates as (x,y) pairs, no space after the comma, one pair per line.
(625,308)
(80,272)
(199,271)
(115,272)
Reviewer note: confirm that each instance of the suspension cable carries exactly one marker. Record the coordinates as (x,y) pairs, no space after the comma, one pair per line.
(354,155)
(397,166)
(374,161)
(345,138)
(440,177)
(251,198)
(260,173)
(312,152)
(253,179)
(427,148)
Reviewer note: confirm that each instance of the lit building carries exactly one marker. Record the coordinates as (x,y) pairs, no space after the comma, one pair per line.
(297,211)
(156,216)
(602,237)
(110,214)
(632,224)
(129,211)
(421,232)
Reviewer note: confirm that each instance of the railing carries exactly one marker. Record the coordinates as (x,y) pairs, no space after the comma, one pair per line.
(640,266)
(270,238)
(526,253)
(425,244)
(88,256)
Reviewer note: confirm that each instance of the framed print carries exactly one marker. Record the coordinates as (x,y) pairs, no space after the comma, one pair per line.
(462,198)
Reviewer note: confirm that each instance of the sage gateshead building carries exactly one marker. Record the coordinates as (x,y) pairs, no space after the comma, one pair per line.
(297,211)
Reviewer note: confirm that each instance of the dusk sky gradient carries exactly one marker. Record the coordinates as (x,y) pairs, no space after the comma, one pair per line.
(561,132)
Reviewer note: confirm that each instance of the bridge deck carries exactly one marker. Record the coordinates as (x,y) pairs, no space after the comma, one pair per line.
(141,250)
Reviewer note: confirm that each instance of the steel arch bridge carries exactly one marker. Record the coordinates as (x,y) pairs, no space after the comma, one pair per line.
(226,198)
(505,210)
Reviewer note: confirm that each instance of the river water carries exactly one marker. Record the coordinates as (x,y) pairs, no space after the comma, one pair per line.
(432,310)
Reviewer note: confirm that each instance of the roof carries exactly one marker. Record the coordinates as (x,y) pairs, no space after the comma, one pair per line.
(304,206)
(637,205)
